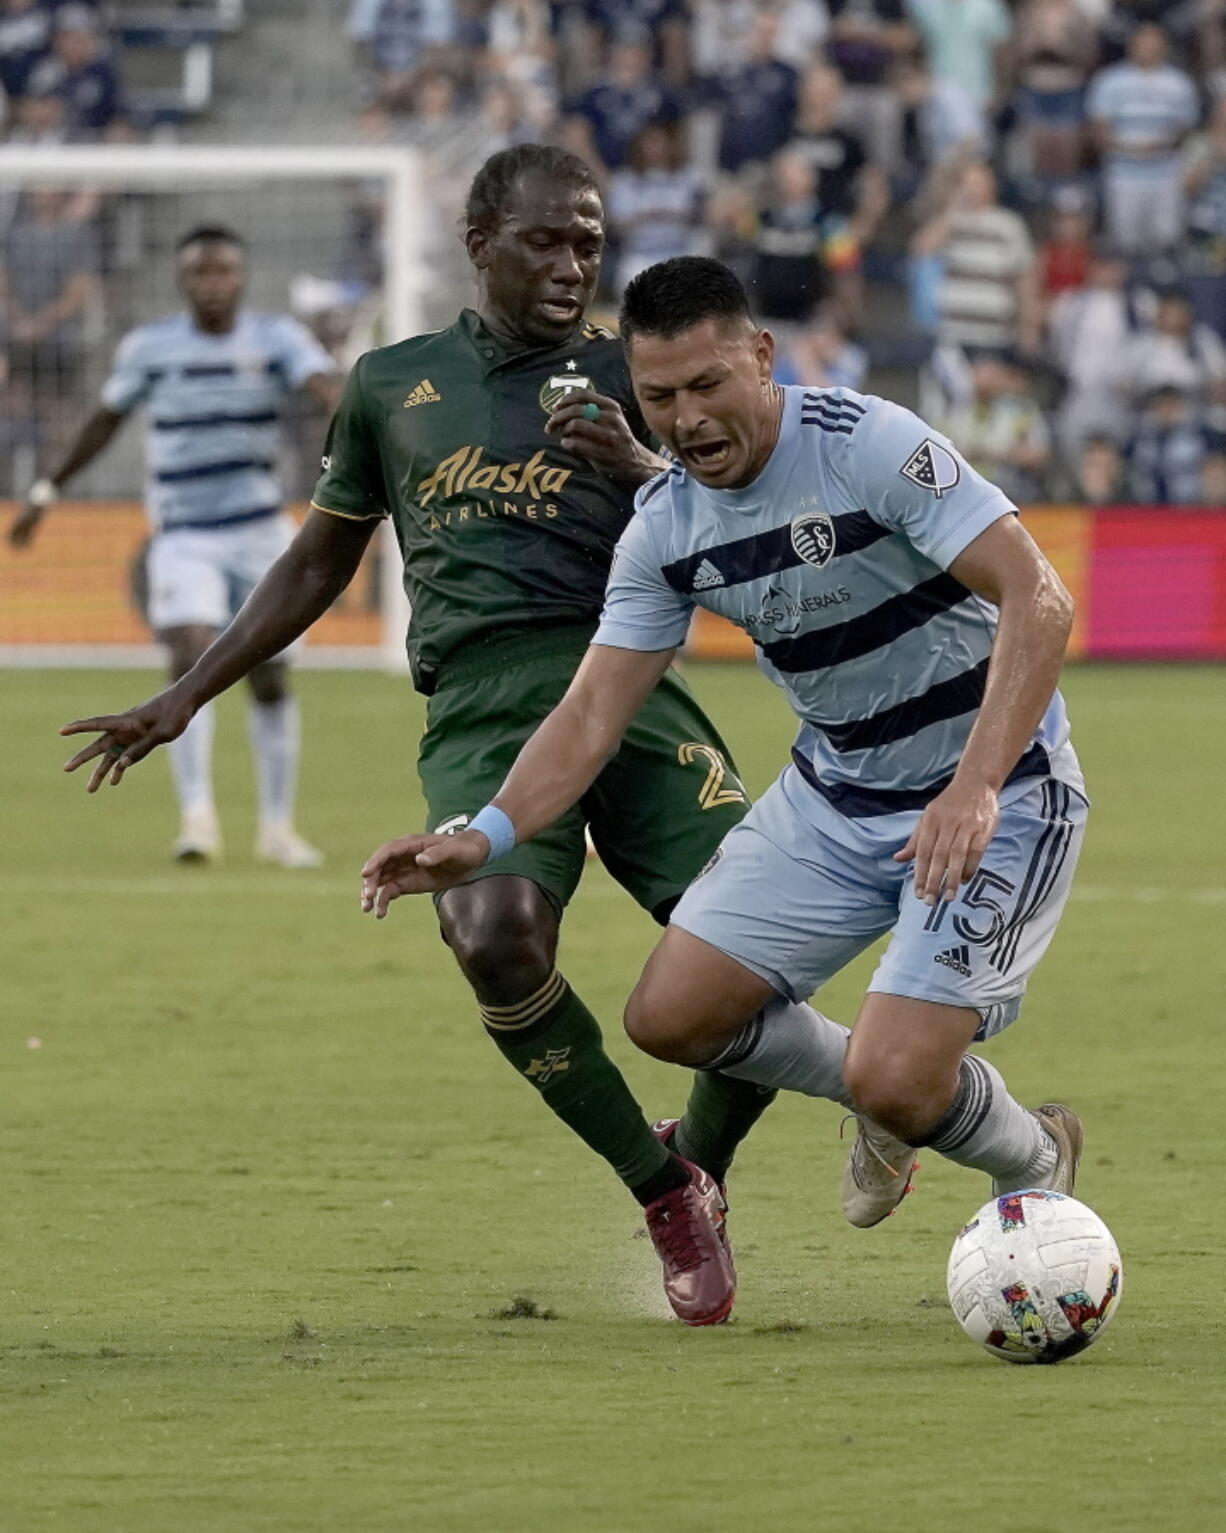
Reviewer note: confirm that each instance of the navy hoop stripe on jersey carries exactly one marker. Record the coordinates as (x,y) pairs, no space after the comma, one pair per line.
(858,802)
(946,700)
(258,515)
(874,629)
(211,470)
(203,422)
(770,553)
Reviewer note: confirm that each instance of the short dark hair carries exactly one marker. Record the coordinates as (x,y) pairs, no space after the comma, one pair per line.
(211,234)
(675,295)
(489,196)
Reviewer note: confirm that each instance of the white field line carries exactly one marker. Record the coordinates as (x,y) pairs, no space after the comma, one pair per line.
(203,881)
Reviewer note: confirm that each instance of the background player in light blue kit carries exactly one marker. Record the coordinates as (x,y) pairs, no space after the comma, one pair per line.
(918,633)
(212,381)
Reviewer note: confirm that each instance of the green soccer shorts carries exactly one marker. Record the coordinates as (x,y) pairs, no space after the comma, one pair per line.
(656,813)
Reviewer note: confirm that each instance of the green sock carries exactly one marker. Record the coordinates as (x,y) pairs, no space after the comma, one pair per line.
(554,1041)
(720,1112)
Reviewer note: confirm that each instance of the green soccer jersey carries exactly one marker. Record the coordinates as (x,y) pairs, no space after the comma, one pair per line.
(501,530)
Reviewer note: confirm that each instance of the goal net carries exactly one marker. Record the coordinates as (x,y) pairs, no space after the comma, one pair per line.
(339,238)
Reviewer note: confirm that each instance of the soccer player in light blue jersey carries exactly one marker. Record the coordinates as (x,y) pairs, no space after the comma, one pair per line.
(212,381)
(917,632)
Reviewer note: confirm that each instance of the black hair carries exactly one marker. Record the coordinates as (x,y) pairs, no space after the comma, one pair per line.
(675,295)
(493,187)
(211,234)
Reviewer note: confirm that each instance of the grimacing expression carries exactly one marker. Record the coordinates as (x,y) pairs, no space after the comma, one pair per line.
(212,275)
(706,393)
(542,263)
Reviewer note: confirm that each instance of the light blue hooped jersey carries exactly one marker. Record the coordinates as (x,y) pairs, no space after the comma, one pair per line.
(834,561)
(213,404)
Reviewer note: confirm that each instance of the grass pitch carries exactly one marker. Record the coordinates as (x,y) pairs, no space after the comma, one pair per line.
(284,1244)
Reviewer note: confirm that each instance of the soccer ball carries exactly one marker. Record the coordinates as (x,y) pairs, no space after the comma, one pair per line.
(1035,1277)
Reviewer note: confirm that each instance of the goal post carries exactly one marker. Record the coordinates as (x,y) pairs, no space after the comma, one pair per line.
(341,226)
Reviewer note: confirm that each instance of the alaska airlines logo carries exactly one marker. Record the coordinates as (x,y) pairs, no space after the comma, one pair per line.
(813,538)
(464,471)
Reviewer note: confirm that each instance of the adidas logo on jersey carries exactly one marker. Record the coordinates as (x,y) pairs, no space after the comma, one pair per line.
(706,577)
(424,394)
(956,958)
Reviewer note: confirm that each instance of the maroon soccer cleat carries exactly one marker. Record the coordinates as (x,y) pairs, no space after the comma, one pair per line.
(687,1229)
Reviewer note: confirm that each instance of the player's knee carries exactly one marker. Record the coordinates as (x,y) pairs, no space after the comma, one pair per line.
(662,1028)
(895,1097)
(269,685)
(504,946)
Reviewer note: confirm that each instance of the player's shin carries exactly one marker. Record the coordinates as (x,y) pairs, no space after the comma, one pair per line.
(986,1129)
(555,1043)
(191,764)
(719,1114)
(275,732)
(790,1046)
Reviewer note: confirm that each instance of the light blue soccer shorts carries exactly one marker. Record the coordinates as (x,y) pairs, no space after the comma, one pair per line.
(797,890)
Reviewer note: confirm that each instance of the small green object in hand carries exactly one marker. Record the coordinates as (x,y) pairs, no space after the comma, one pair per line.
(590,411)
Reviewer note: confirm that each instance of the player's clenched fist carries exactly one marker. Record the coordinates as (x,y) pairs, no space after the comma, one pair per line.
(420,865)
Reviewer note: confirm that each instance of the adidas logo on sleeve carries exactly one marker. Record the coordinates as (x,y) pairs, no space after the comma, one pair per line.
(956,958)
(424,394)
(706,577)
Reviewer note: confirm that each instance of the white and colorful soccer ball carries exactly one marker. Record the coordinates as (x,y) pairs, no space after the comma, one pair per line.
(1035,1277)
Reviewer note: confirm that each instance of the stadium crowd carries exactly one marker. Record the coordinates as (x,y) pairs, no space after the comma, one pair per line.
(1026,203)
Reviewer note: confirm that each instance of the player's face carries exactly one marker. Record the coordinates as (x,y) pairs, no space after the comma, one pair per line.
(707,393)
(540,266)
(212,275)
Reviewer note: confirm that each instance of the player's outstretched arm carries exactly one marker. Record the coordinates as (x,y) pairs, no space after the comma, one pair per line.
(300,587)
(553,771)
(1003,565)
(84,448)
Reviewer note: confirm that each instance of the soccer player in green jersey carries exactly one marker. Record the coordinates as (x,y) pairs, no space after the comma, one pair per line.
(507,449)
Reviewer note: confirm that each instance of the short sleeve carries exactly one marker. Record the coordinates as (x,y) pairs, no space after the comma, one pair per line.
(914,481)
(641,609)
(351,484)
(130,377)
(301,356)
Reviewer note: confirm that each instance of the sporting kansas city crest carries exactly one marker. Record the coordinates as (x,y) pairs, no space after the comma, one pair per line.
(554,390)
(932,467)
(813,538)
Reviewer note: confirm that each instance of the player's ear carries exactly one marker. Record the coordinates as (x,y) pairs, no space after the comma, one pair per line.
(477,243)
(764,350)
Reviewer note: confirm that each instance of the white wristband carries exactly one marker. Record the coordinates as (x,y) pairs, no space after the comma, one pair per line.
(42,493)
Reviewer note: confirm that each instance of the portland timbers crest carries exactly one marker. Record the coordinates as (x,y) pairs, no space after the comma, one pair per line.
(554,390)
(813,538)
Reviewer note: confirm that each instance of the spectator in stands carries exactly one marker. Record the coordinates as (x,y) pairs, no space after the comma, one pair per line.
(48,267)
(1067,253)
(622,105)
(1166,457)
(665,23)
(941,121)
(1089,330)
(1175,352)
(847,186)
(867,39)
(1140,112)
(988,292)
(790,276)
(1213,479)
(966,42)
(1099,479)
(405,37)
(757,100)
(1054,50)
(820,354)
(80,71)
(1001,429)
(655,203)
(25,35)
(721,33)
(1204,251)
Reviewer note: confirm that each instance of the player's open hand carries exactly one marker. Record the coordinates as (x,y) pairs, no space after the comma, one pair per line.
(126,738)
(24,525)
(424,864)
(593,426)
(950,839)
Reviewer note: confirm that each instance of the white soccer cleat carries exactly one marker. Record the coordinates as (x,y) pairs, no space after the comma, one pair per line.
(282,845)
(876,1175)
(1063,1127)
(199,838)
